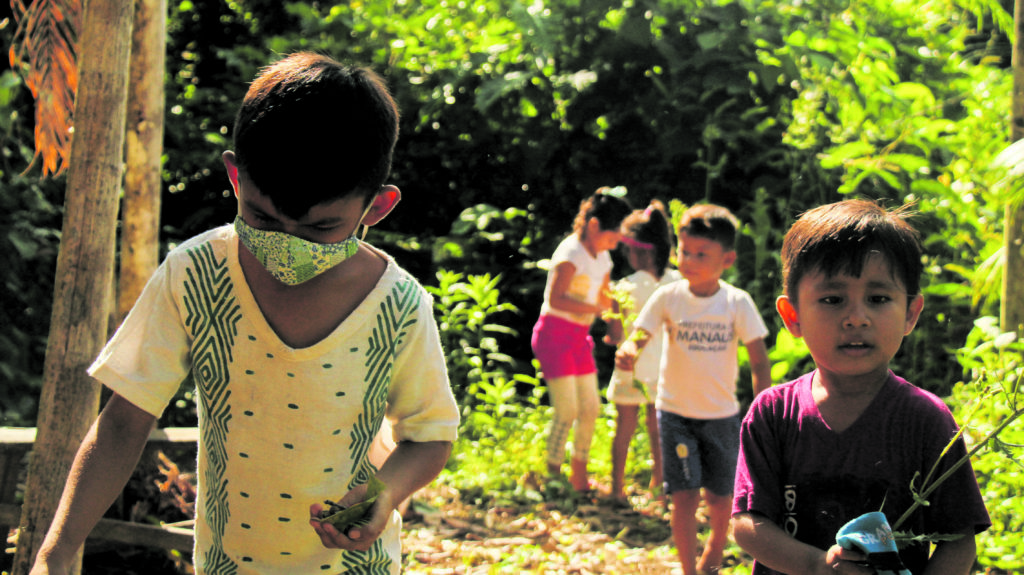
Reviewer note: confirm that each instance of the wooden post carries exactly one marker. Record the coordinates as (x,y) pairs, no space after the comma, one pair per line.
(1011,316)
(140,212)
(85,266)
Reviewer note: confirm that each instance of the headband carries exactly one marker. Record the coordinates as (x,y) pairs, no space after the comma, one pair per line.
(636,243)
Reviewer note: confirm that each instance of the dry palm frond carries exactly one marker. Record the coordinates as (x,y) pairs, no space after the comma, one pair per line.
(44,50)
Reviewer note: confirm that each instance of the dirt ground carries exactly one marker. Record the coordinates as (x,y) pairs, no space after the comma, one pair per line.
(444,536)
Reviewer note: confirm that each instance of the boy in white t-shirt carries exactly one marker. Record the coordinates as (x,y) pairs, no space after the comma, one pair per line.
(300,338)
(703,319)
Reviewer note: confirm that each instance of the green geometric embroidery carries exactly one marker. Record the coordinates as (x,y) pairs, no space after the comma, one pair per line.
(374,561)
(397,313)
(212,316)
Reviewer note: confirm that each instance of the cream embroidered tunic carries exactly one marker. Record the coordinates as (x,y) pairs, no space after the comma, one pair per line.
(280,428)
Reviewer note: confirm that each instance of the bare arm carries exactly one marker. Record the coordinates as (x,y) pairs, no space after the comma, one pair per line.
(105,461)
(625,356)
(604,295)
(770,545)
(615,330)
(760,365)
(410,466)
(953,557)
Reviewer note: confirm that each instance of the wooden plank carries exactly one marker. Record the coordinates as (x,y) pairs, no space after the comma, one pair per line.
(175,435)
(16,441)
(27,435)
(17,435)
(160,537)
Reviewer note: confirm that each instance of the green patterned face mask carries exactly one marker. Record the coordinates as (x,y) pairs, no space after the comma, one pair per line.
(293,260)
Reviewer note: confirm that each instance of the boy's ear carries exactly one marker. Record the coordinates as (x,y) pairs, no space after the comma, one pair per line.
(913,313)
(789,315)
(385,201)
(232,167)
(729,258)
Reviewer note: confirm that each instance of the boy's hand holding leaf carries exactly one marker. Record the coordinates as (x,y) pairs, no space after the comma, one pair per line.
(357,520)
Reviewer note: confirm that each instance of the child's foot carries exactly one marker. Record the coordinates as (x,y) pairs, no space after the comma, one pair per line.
(554,470)
(656,485)
(710,562)
(579,479)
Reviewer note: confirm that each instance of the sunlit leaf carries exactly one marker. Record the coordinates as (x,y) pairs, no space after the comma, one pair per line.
(44,52)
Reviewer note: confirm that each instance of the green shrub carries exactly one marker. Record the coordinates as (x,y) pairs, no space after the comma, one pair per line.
(988,404)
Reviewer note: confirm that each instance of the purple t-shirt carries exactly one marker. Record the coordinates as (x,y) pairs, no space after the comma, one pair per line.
(810,481)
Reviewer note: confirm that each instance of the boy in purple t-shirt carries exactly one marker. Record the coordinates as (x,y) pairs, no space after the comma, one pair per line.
(850,437)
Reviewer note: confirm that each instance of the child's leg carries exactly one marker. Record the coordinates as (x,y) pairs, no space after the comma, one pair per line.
(562,395)
(657,476)
(684,528)
(719,450)
(588,406)
(625,425)
(720,512)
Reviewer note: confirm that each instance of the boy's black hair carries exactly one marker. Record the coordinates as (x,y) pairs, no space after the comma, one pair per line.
(311,130)
(710,221)
(838,238)
(609,210)
(652,226)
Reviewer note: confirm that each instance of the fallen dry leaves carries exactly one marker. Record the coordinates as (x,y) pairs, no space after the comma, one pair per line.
(445,536)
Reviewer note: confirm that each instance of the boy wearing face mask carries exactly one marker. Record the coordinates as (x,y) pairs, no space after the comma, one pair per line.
(302,342)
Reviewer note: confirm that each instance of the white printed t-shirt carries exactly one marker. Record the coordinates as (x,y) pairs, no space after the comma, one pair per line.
(699,364)
(280,428)
(586,282)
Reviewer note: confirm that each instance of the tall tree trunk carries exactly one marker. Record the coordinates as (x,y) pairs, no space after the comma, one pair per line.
(1012,311)
(85,266)
(140,213)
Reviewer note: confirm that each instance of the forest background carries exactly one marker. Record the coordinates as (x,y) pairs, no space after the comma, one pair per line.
(514,112)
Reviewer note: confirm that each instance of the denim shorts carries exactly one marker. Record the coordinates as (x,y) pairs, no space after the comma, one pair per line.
(699,452)
(562,347)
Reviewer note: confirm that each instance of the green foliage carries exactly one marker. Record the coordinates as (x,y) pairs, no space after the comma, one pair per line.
(789,356)
(466,313)
(894,98)
(518,111)
(29,236)
(988,404)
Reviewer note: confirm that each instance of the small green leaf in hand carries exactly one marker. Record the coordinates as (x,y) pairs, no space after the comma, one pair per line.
(344,517)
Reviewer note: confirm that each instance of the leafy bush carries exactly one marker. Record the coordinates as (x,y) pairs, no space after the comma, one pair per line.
(29,239)
(464,310)
(988,405)
(520,110)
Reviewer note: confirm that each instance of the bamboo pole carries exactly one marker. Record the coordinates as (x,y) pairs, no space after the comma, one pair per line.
(140,211)
(85,266)
(1011,315)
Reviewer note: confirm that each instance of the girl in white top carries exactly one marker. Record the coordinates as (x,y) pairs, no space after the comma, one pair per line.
(575,294)
(647,235)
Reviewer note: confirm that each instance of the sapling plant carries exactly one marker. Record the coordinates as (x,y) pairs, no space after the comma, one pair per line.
(625,313)
(467,309)
(992,360)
